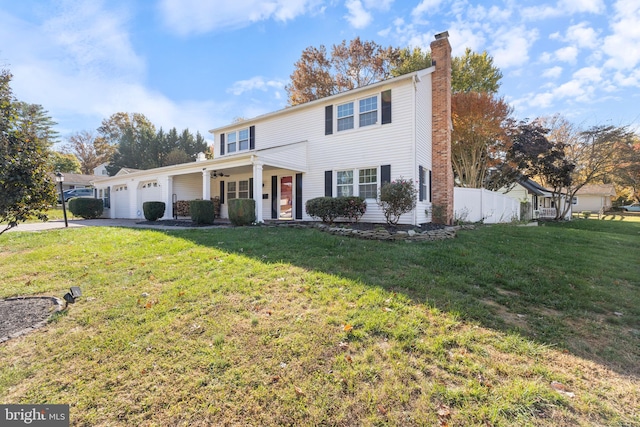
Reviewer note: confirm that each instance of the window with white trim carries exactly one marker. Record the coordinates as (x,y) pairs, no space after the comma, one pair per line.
(243,189)
(345,116)
(231,190)
(345,183)
(243,139)
(231,142)
(368,111)
(368,183)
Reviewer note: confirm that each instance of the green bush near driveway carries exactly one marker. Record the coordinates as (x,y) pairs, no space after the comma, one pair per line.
(86,208)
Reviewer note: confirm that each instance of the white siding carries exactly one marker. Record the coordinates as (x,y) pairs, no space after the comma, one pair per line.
(188,187)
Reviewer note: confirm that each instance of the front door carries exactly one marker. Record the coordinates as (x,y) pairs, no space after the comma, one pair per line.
(286,197)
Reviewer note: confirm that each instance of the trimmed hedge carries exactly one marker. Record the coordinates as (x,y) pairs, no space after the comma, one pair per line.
(86,208)
(329,208)
(153,210)
(242,211)
(202,211)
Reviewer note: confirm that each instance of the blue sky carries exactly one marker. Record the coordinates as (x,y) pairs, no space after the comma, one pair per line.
(199,64)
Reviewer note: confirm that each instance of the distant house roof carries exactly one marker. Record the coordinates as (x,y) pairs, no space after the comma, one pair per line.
(76,179)
(534,188)
(126,171)
(597,190)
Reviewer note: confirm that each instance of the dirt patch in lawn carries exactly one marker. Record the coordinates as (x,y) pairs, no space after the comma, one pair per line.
(22,315)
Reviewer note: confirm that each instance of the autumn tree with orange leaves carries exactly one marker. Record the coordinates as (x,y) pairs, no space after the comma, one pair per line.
(479,139)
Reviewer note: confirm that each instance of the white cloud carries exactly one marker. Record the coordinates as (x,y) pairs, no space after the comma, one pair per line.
(255,83)
(582,35)
(567,54)
(511,47)
(562,9)
(582,6)
(622,46)
(358,17)
(552,73)
(425,7)
(588,74)
(186,17)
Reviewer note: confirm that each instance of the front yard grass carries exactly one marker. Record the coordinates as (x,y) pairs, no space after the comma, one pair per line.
(503,326)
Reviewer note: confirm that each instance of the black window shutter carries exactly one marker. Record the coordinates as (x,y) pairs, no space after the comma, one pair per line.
(274,197)
(328,120)
(429,185)
(298,196)
(252,138)
(421,183)
(385,174)
(221,192)
(328,183)
(251,188)
(222,144)
(386,106)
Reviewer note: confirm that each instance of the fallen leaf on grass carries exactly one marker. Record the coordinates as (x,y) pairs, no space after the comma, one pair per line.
(347,327)
(382,410)
(349,359)
(561,388)
(299,391)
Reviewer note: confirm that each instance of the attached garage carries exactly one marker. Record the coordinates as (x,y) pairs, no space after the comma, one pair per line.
(148,191)
(120,201)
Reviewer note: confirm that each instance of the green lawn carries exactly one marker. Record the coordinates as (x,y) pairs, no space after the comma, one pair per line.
(275,326)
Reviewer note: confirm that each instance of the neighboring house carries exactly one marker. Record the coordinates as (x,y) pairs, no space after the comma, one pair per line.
(538,201)
(594,197)
(74,180)
(101,170)
(346,144)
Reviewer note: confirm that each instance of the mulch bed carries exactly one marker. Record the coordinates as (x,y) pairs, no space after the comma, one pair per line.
(24,314)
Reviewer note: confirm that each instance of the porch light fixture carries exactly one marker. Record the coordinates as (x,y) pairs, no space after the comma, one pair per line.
(60,179)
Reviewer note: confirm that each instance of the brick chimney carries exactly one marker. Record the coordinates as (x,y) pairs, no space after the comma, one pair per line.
(442,176)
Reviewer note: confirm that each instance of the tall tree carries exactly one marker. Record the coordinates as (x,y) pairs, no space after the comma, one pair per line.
(479,139)
(132,134)
(627,175)
(474,72)
(317,74)
(26,189)
(34,119)
(410,60)
(90,150)
(63,162)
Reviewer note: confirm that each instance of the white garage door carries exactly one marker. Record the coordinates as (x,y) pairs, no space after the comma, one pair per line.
(120,201)
(148,191)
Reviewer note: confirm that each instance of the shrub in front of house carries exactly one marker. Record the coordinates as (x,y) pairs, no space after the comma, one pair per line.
(242,211)
(86,208)
(324,208)
(586,214)
(202,211)
(396,198)
(153,210)
(352,207)
(328,209)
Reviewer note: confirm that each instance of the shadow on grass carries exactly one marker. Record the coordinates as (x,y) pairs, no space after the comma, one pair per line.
(572,286)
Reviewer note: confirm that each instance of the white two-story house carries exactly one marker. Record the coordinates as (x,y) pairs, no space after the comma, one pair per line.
(346,144)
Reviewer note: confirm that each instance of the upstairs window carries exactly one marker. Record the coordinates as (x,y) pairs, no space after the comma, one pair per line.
(345,116)
(368,111)
(231,142)
(243,137)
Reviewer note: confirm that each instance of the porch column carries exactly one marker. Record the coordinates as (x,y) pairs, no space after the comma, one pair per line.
(166,185)
(257,189)
(206,185)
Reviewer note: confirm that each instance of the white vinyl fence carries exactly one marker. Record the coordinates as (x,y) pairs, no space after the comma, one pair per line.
(477,204)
